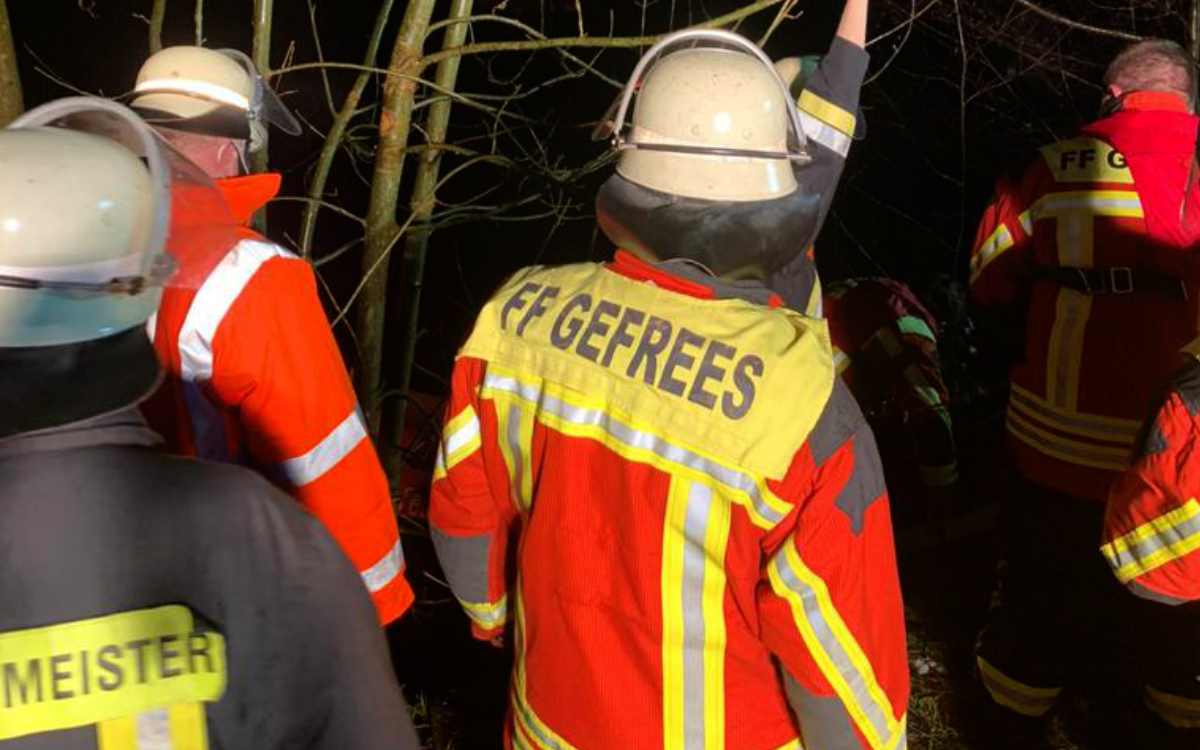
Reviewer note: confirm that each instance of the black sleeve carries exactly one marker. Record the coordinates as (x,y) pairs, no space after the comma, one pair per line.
(828,110)
(308,663)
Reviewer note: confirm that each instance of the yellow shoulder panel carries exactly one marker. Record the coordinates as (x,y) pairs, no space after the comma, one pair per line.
(1086,160)
(738,381)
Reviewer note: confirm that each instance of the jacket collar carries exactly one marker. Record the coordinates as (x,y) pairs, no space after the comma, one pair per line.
(687,277)
(1154,101)
(123,427)
(246,195)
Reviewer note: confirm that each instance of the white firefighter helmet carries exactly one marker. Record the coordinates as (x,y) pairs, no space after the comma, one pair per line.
(712,122)
(212,92)
(85,219)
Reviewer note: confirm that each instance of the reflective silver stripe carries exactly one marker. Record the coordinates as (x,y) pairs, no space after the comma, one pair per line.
(153,730)
(513,435)
(1103,206)
(485,614)
(731,478)
(826,135)
(326,454)
(699,508)
(533,726)
(1138,553)
(462,436)
(213,301)
(385,571)
(1113,459)
(152,325)
(1077,423)
(876,714)
(1026,219)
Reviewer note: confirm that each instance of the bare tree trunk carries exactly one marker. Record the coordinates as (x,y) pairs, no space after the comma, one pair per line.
(395,121)
(261,54)
(1194,31)
(416,244)
(337,130)
(12,102)
(158,12)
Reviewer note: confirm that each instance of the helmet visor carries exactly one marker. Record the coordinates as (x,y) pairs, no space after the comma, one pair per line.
(265,106)
(191,230)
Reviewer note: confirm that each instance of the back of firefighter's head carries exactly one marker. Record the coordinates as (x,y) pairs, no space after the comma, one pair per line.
(1153,65)
(706,169)
(76,210)
(212,105)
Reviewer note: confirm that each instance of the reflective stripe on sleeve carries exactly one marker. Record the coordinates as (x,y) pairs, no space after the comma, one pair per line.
(1024,699)
(835,649)
(827,112)
(487,615)
(841,360)
(378,576)
(1155,543)
(824,134)
(914,326)
(1179,712)
(992,248)
(460,438)
(326,454)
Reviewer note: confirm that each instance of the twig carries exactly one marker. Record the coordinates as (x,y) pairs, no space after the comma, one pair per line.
(1078,24)
(198,20)
(779,18)
(312,18)
(567,42)
(962,127)
(905,24)
(321,204)
(899,47)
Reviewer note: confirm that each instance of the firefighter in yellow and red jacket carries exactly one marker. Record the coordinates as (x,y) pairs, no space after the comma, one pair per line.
(650,471)
(254,373)
(1152,542)
(1091,252)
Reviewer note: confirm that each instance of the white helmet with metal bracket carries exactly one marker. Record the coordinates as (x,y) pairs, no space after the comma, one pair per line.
(712,121)
(211,92)
(88,237)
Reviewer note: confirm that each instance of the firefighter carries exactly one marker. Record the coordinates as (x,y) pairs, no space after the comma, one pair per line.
(885,349)
(649,471)
(254,373)
(1151,540)
(149,601)
(1095,239)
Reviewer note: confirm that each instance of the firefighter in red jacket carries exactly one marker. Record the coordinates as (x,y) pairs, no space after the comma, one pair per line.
(254,374)
(1152,542)
(1095,240)
(650,471)
(885,349)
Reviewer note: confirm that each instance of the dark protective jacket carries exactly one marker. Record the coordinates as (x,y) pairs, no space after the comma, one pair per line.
(150,601)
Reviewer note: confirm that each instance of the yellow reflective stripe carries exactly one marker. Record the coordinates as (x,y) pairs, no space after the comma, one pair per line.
(1110,203)
(793,745)
(1022,698)
(1065,448)
(540,736)
(487,615)
(1065,357)
(515,427)
(841,360)
(182,726)
(571,413)
(1026,221)
(939,476)
(1176,710)
(992,248)
(1086,160)
(835,649)
(1035,409)
(1155,543)
(695,534)
(461,437)
(827,112)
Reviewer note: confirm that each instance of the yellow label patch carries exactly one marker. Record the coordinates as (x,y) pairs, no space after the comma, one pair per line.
(1087,160)
(738,381)
(80,673)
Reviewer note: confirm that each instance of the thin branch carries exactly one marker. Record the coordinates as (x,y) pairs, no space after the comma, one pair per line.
(613,42)
(1078,24)
(198,21)
(903,41)
(321,204)
(784,13)
(962,127)
(905,24)
(312,19)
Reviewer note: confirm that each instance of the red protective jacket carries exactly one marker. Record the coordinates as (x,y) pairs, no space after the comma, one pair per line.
(255,376)
(648,477)
(1152,527)
(1121,197)
(885,348)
